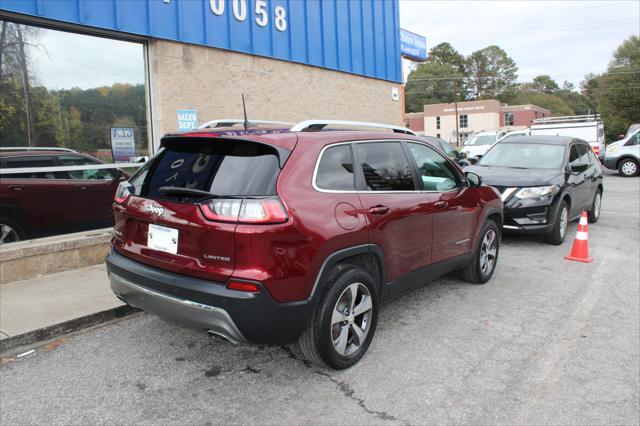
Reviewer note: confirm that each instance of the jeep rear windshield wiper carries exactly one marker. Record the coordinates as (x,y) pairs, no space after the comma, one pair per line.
(167,190)
(184,191)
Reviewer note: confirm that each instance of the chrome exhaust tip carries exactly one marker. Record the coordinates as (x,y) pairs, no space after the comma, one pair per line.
(220,334)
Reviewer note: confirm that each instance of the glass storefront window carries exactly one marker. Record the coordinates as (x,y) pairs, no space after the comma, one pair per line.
(70,104)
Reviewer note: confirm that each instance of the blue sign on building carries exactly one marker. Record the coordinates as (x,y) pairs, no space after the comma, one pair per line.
(187,119)
(356,36)
(412,45)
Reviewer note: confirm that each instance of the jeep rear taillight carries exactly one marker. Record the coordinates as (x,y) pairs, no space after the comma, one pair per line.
(247,210)
(122,193)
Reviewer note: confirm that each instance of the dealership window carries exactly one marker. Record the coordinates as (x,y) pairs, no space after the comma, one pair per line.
(438,123)
(508,119)
(76,103)
(464,121)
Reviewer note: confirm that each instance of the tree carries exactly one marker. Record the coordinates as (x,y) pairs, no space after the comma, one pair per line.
(576,101)
(554,103)
(445,54)
(432,83)
(491,74)
(567,85)
(545,84)
(588,88)
(617,92)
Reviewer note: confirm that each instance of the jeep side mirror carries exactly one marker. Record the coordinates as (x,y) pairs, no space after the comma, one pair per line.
(473,179)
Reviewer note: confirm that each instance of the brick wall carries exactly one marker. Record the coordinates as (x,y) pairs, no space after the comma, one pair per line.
(212,81)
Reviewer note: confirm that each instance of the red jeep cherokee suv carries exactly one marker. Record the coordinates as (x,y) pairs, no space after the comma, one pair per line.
(272,235)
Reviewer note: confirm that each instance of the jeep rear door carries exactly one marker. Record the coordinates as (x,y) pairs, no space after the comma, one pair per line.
(398,214)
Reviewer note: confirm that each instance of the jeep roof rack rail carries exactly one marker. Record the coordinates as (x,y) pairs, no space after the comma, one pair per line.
(316,125)
(567,119)
(36,148)
(228,122)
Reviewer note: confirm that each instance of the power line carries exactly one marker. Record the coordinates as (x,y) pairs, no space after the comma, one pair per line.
(462,77)
(542,12)
(562,28)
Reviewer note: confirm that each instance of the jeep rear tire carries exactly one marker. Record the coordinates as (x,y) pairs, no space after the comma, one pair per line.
(481,268)
(344,321)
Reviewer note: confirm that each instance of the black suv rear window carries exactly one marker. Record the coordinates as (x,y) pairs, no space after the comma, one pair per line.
(220,167)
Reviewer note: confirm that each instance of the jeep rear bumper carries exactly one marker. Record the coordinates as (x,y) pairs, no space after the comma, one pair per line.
(240,317)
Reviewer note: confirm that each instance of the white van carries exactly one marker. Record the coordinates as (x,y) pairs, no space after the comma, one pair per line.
(624,155)
(585,127)
(480,143)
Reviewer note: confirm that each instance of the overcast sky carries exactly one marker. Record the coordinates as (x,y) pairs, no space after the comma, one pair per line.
(565,39)
(72,60)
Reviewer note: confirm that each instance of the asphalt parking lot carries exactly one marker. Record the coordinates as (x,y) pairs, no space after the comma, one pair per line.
(545,341)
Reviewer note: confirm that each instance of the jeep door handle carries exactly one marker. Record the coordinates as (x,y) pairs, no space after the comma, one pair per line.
(441,204)
(379,210)
(17,187)
(82,187)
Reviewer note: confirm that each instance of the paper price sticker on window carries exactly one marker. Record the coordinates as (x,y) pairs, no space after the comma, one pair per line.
(123,145)
(187,119)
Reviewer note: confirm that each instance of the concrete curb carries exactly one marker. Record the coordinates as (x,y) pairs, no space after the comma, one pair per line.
(64,328)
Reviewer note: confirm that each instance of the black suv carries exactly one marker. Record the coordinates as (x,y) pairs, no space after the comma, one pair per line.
(545,182)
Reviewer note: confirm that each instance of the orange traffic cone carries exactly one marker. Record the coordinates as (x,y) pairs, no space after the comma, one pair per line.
(580,250)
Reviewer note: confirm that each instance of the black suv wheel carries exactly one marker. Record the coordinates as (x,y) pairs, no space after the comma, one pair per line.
(559,231)
(344,322)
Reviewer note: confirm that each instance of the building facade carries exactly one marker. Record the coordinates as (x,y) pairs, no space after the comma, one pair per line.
(473,116)
(89,87)
(293,60)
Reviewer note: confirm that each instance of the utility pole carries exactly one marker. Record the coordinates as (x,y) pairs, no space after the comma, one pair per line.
(27,89)
(3,37)
(457,133)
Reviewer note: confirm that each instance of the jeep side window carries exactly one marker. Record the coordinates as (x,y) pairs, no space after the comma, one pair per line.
(436,172)
(385,167)
(335,170)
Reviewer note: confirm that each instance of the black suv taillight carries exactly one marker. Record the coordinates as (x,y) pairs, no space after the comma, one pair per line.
(246,210)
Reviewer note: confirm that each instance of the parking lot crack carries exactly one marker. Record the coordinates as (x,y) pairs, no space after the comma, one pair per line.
(349,392)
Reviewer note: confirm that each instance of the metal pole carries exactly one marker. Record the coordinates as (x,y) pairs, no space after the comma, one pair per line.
(457,133)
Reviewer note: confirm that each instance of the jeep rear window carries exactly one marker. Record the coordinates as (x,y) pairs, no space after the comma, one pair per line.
(335,171)
(220,167)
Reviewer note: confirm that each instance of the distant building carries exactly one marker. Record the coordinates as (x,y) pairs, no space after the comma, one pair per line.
(440,119)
